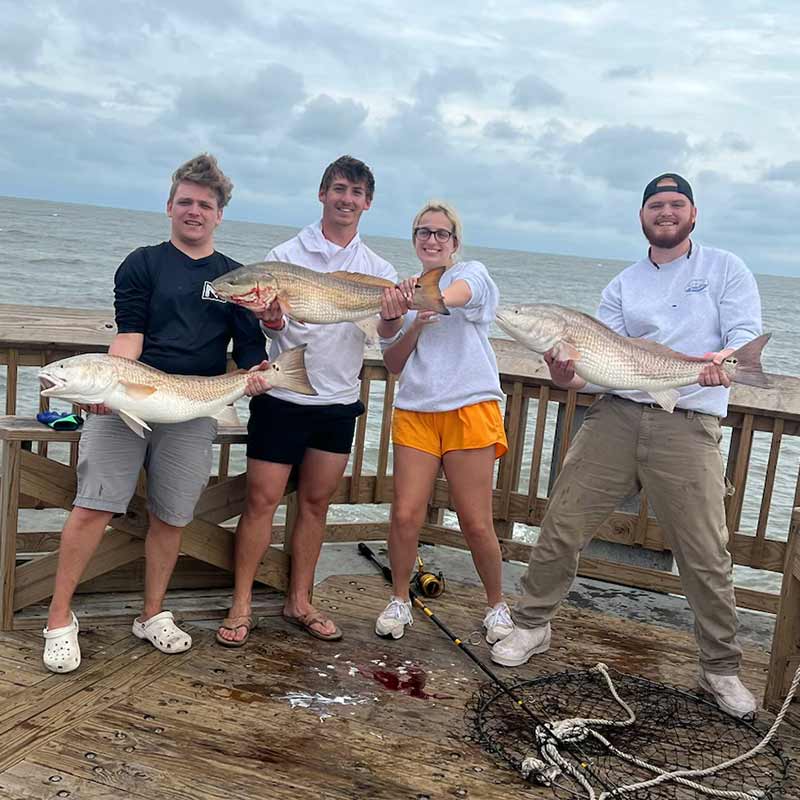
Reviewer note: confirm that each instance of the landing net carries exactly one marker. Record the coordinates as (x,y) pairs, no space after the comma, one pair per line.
(618,734)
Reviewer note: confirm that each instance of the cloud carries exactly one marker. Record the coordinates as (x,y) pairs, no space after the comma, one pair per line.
(503,130)
(247,105)
(628,156)
(432,87)
(101,102)
(325,118)
(627,73)
(790,171)
(531,92)
(22,41)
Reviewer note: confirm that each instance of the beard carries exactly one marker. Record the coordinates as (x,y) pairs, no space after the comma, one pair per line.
(667,238)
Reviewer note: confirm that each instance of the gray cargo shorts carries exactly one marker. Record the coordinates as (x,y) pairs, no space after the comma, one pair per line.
(176,456)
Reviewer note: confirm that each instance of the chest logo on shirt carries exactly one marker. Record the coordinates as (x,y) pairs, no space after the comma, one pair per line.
(210,294)
(697,285)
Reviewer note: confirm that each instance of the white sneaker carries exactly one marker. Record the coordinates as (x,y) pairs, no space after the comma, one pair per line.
(497,622)
(394,618)
(732,696)
(516,648)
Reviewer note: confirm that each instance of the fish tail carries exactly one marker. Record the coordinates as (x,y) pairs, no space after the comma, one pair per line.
(288,371)
(747,363)
(428,296)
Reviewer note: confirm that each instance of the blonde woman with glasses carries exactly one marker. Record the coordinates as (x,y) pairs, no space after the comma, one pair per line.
(447,413)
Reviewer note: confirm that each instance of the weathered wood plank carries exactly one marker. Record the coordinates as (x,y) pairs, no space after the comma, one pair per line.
(786,640)
(34,580)
(9,496)
(766,495)
(12,362)
(360,439)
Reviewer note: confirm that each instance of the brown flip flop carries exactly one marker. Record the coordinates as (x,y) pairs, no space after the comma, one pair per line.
(305,621)
(233,624)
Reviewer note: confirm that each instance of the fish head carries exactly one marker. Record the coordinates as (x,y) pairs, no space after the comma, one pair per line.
(251,286)
(87,378)
(536,326)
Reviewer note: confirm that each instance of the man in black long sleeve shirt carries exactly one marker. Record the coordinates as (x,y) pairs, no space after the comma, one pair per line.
(168,319)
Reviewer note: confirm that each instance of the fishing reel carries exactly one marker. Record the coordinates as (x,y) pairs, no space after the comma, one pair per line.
(426,583)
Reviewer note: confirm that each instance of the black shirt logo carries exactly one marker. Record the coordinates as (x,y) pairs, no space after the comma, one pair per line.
(210,294)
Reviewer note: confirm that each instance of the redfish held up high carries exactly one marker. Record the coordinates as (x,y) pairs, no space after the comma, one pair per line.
(605,358)
(306,295)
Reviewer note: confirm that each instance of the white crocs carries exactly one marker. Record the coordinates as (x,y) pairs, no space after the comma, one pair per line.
(162,632)
(62,653)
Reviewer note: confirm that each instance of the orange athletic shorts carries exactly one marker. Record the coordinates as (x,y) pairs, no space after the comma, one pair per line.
(437,432)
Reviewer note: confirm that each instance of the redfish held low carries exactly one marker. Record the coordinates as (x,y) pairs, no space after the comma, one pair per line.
(141,394)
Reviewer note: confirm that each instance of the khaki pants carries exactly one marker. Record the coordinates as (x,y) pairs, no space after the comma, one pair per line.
(621,447)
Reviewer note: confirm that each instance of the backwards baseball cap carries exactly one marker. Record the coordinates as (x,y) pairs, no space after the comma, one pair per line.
(668,182)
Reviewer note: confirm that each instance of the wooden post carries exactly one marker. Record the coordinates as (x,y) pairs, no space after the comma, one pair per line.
(785,657)
(9,506)
(288,535)
(12,357)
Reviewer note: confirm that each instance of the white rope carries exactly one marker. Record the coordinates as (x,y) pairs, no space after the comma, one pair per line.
(679,776)
(578,729)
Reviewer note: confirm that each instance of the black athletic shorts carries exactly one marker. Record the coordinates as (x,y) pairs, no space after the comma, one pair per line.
(280,431)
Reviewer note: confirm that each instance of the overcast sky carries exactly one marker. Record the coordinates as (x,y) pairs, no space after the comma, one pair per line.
(541,121)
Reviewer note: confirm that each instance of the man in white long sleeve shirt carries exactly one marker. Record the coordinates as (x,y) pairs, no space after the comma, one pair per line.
(313,433)
(700,301)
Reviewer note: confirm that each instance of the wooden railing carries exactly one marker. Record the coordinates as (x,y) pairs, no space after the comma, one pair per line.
(33,336)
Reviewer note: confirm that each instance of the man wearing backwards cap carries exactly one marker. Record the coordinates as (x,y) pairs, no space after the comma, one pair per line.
(697,300)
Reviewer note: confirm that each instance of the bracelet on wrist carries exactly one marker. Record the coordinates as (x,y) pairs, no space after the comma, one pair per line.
(392,319)
(273,326)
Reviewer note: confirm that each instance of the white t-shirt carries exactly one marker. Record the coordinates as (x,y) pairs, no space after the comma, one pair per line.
(453,364)
(335,352)
(699,304)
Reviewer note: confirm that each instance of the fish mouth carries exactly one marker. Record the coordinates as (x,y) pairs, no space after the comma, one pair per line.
(50,384)
(502,320)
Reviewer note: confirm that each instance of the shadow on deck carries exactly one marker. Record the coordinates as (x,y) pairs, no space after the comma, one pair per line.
(215,723)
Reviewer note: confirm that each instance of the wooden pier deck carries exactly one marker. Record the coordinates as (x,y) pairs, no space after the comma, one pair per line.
(215,722)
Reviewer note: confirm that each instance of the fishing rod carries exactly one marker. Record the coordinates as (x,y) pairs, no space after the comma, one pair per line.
(584,760)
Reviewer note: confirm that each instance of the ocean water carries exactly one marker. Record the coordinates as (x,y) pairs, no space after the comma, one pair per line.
(61,254)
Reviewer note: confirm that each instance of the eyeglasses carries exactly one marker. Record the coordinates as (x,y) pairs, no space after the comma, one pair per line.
(423,234)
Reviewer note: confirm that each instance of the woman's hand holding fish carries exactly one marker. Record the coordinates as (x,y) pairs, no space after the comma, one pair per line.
(424,318)
(713,374)
(256,382)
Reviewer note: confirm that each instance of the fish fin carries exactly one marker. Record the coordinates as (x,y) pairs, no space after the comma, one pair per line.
(288,371)
(138,426)
(746,362)
(666,398)
(138,391)
(369,327)
(228,416)
(427,295)
(566,351)
(360,277)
